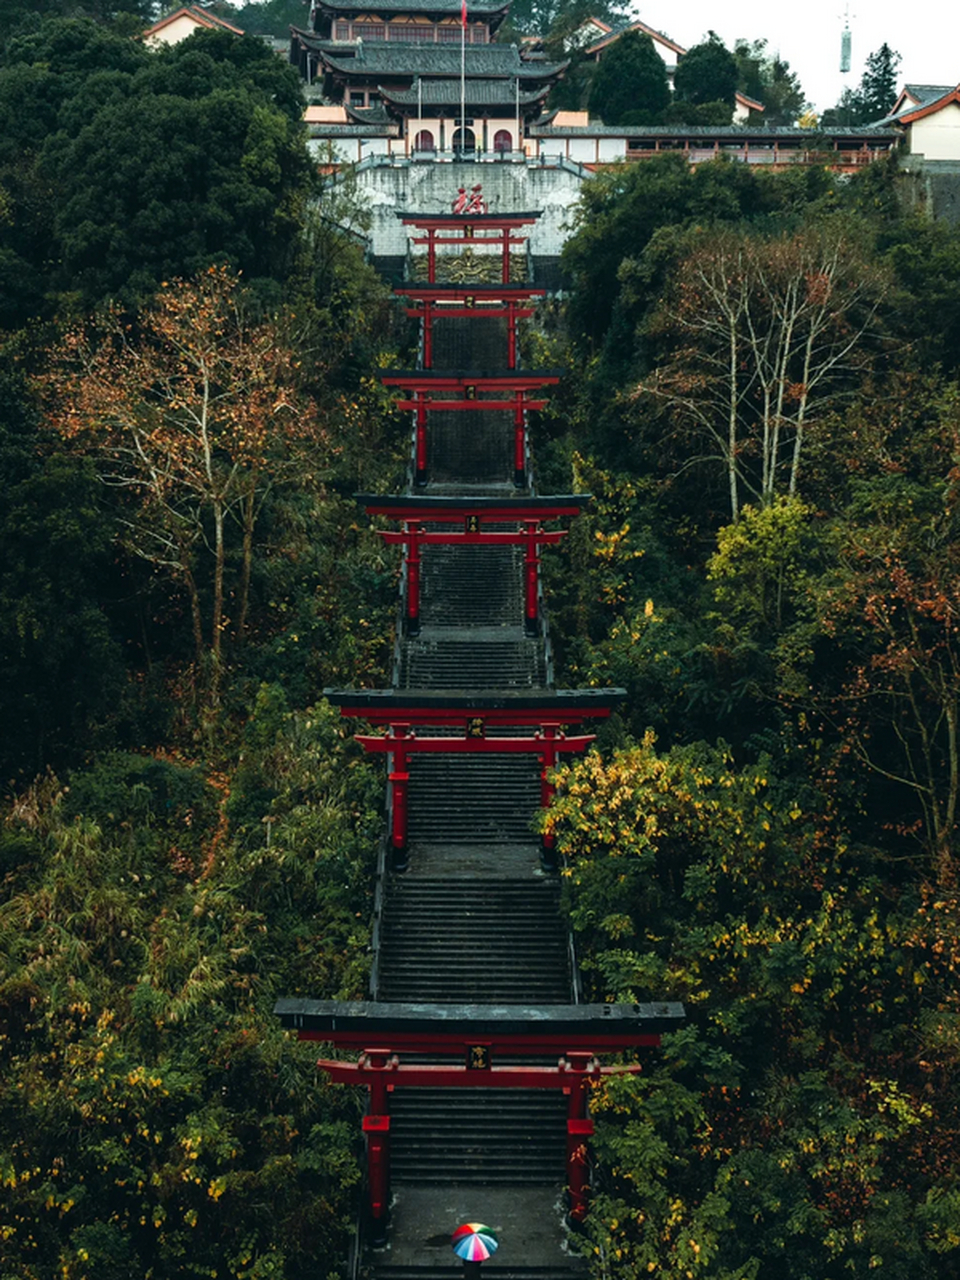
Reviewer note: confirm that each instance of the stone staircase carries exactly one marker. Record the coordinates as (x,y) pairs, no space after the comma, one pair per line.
(471,587)
(492,1269)
(466,942)
(472,450)
(454,1135)
(489,798)
(458,663)
(474,919)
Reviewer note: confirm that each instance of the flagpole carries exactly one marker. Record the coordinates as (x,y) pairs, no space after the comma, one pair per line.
(518,113)
(463,75)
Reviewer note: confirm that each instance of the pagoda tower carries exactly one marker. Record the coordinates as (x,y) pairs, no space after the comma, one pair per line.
(475,1050)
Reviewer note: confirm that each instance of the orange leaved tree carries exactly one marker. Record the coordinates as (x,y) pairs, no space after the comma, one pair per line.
(194,410)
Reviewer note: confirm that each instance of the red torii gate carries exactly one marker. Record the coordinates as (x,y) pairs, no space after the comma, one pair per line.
(463,229)
(476,1035)
(472,514)
(464,390)
(441,300)
(548,714)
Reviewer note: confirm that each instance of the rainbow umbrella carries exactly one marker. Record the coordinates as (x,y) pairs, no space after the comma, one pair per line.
(474,1242)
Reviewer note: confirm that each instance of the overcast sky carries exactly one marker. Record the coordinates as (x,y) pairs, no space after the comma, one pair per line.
(808,36)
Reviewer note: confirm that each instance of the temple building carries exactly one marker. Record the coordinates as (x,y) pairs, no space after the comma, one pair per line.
(181,23)
(402,88)
(430,77)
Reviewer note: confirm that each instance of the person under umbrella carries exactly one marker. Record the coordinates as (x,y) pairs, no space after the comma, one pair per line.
(474,1243)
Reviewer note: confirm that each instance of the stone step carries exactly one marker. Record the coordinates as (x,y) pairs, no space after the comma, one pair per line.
(466,664)
(452,941)
(475,447)
(469,342)
(492,1270)
(481,799)
(472,585)
(469,1135)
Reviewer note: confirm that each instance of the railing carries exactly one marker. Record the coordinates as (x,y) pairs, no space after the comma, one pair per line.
(355,1248)
(764,154)
(576,981)
(378,891)
(401,160)
(549,160)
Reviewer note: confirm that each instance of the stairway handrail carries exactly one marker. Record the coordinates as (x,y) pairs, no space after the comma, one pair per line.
(576,982)
(355,1248)
(376,929)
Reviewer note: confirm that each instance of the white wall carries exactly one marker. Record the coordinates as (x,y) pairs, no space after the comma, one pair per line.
(174,31)
(937,136)
(432,188)
(612,149)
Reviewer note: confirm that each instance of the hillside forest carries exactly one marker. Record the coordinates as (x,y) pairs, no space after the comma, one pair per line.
(761,393)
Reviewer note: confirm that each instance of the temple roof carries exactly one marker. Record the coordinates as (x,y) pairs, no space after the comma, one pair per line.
(377,58)
(449,7)
(436,93)
(328,130)
(634,25)
(916,101)
(723,133)
(407,506)
(377,115)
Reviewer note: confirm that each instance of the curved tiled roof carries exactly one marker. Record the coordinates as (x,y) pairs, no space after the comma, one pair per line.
(634,25)
(437,93)
(439,60)
(324,129)
(924,99)
(484,7)
(729,133)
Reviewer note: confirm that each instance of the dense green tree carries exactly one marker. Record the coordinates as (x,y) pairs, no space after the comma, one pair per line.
(193,420)
(272,18)
(763,335)
(707,73)
(925,257)
(766,78)
(618,215)
(630,85)
(540,17)
(878,85)
(784,1130)
(875,95)
(210,165)
(845,114)
(128,17)
(62,665)
(156,1118)
(696,114)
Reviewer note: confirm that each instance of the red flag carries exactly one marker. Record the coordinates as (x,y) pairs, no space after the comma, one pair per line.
(463,12)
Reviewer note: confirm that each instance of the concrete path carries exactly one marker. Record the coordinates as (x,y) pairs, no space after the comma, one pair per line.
(528,1221)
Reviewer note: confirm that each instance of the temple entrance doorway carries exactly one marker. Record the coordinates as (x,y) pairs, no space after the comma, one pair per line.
(464,142)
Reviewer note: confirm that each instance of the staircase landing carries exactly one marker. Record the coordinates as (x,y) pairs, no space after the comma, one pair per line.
(528,1220)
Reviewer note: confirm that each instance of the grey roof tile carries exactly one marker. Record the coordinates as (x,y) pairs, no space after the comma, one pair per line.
(404,6)
(732,133)
(478,92)
(369,115)
(323,129)
(434,60)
